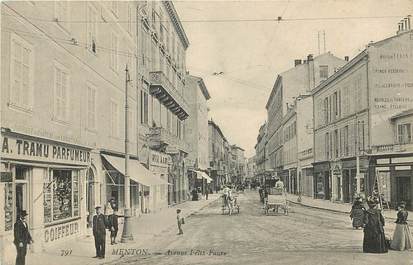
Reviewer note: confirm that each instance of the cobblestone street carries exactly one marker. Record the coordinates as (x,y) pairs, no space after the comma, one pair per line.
(305,236)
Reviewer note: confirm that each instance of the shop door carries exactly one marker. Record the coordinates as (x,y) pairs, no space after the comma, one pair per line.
(21,197)
(22,191)
(327,185)
(346,186)
(90,205)
(403,193)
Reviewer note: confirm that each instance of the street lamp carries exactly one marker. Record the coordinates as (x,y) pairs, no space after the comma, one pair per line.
(126,233)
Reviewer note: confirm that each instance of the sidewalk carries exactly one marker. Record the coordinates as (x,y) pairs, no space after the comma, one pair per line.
(144,228)
(338,207)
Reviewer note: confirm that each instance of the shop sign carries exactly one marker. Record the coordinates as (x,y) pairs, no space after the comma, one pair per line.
(18,148)
(61,231)
(159,159)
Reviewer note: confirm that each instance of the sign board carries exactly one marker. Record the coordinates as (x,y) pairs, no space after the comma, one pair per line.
(38,150)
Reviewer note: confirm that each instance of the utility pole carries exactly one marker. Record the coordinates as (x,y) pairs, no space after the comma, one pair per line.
(126,233)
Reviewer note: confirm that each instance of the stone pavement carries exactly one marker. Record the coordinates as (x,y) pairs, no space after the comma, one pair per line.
(144,228)
(336,206)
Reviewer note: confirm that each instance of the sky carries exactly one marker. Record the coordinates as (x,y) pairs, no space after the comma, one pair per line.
(230,37)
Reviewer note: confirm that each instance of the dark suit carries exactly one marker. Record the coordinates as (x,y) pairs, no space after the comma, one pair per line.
(113,223)
(21,235)
(99,232)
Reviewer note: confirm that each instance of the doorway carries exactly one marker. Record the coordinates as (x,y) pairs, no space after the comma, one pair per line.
(22,190)
(346,185)
(90,196)
(403,190)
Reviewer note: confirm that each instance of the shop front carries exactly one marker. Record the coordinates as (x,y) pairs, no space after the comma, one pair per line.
(394,179)
(46,178)
(322,187)
(307,184)
(159,164)
(143,183)
(353,184)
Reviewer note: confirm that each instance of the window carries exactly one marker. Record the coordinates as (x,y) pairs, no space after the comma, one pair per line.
(168,121)
(61,97)
(114,119)
(335,104)
(326,120)
(404,133)
(323,71)
(21,73)
(91,107)
(62,13)
(92,28)
(144,107)
(345,141)
(114,53)
(61,195)
(327,145)
(336,146)
(115,8)
(359,94)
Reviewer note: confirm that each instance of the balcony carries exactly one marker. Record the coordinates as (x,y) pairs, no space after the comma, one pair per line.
(165,91)
(392,148)
(161,139)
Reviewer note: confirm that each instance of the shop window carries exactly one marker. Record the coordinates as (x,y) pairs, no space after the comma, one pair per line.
(61,195)
(8,206)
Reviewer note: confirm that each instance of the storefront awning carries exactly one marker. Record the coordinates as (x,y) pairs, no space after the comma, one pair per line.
(200,175)
(137,172)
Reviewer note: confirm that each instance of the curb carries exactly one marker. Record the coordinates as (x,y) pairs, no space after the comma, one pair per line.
(331,210)
(318,208)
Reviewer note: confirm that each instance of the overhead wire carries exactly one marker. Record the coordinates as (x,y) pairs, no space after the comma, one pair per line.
(227,20)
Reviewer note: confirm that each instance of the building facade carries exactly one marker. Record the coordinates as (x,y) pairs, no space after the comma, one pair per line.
(163,111)
(353,111)
(63,96)
(260,153)
(197,129)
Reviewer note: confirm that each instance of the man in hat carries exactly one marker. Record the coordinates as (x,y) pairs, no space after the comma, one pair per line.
(22,237)
(99,232)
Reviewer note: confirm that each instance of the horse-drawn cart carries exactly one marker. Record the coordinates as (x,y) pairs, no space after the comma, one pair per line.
(277,198)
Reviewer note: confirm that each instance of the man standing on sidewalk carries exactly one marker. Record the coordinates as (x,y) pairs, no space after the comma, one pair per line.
(180,221)
(22,237)
(99,232)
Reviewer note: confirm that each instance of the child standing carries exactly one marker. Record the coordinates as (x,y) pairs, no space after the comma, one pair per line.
(180,221)
(113,226)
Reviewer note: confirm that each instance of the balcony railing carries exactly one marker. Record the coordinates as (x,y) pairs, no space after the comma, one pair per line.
(387,148)
(165,91)
(161,138)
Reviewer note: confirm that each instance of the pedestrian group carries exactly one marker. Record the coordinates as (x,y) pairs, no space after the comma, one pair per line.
(372,220)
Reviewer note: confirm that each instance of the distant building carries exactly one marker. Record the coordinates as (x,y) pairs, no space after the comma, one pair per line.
(197,127)
(288,86)
(260,153)
(218,155)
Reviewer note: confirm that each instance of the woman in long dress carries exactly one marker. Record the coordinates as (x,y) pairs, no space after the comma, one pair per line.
(402,238)
(357,213)
(374,239)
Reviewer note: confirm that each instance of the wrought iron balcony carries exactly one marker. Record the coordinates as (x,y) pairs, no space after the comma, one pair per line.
(165,91)
(161,139)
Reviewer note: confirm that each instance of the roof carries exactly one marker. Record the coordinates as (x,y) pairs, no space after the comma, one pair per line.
(212,123)
(405,113)
(170,8)
(202,86)
(237,147)
(341,71)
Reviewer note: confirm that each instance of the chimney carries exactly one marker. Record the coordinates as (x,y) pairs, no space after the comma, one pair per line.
(346,58)
(309,57)
(297,62)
